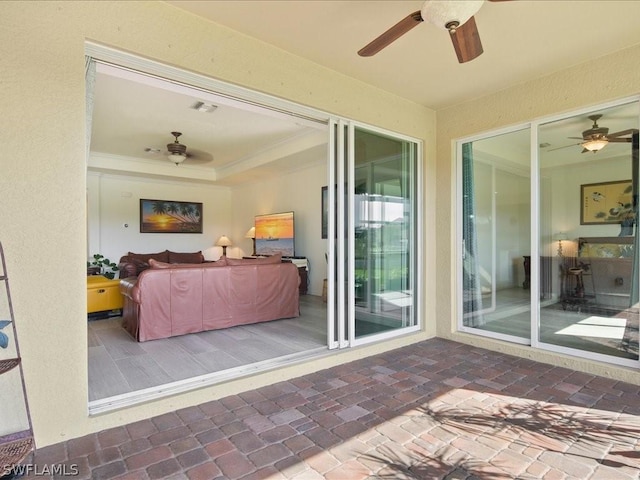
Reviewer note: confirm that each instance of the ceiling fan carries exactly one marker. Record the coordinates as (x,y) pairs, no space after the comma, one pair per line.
(596,138)
(453,15)
(177,152)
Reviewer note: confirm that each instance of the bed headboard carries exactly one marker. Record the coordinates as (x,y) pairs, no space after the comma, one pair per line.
(605,247)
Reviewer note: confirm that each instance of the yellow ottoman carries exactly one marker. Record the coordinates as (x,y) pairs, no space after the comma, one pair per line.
(103,294)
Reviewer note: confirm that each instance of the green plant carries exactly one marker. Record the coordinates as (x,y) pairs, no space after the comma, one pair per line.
(107,267)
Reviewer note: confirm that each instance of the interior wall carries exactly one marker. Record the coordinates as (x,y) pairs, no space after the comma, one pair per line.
(300,192)
(565,191)
(599,80)
(43,182)
(114,201)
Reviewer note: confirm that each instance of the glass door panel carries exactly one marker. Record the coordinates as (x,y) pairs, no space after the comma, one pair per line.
(384,235)
(496,213)
(588,230)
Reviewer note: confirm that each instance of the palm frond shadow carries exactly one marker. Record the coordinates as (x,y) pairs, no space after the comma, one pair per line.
(548,426)
(400,465)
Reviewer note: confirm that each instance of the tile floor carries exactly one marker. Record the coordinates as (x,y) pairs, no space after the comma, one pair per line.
(434,410)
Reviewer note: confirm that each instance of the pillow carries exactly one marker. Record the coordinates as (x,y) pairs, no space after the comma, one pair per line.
(256,261)
(155,264)
(176,257)
(144,257)
(221,262)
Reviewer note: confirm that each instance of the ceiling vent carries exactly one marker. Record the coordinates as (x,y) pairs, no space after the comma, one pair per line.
(204,107)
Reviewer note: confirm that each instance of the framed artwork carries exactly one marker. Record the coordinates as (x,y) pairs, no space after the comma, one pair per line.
(606,202)
(325,212)
(164,216)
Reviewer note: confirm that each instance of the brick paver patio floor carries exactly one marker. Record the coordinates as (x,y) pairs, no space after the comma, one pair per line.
(434,410)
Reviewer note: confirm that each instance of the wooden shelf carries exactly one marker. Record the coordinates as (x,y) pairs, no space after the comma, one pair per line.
(14,447)
(14,451)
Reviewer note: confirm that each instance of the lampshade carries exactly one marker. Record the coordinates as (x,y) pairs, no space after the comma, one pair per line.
(251,233)
(560,236)
(176,158)
(596,144)
(442,12)
(223,241)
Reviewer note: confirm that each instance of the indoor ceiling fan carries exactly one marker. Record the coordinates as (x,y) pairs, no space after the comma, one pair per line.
(596,138)
(177,152)
(456,16)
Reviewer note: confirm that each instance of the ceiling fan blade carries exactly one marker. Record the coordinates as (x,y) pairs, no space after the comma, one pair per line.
(630,131)
(619,140)
(198,156)
(560,148)
(391,35)
(466,41)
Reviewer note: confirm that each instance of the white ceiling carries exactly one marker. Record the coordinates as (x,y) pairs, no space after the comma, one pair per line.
(522,40)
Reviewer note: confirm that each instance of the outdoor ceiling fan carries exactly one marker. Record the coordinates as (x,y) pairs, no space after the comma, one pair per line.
(453,15)
(596,138)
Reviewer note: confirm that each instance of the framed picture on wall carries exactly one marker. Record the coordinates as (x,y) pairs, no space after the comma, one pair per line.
(606,202)
(166,216)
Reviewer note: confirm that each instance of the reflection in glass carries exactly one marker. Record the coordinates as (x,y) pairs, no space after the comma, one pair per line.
(384,243)
(588,229)
(496,212)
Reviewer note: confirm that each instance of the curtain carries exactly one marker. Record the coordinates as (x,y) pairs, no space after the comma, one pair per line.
(472,292)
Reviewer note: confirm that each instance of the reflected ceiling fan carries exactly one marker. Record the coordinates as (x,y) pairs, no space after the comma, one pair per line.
(453,15)
(596,138)
(177,152)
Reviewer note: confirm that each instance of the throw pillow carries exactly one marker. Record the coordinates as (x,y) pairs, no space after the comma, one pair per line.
(157,265)
(144,257)
(256,261)
(177,257)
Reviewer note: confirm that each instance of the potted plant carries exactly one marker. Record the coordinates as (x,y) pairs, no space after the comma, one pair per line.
(106,266)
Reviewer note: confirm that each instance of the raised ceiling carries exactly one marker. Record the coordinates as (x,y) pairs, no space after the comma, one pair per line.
(238,142)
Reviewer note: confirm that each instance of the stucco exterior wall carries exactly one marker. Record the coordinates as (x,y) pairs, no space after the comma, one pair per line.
(600,80)
(43,181)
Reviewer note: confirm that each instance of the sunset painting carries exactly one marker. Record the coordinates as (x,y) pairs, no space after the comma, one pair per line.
(163,216)
(275,234)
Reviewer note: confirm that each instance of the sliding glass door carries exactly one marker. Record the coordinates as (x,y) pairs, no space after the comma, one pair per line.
(376,226)
(589,232)
(496,213)
(548,234)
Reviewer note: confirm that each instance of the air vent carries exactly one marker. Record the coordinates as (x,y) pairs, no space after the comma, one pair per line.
(204,107)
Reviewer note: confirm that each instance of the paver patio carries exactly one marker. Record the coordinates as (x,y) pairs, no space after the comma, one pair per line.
(434,410)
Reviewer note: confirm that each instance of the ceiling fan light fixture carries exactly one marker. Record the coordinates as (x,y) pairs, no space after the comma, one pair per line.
(595,144)
(177,158)
(446,14)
